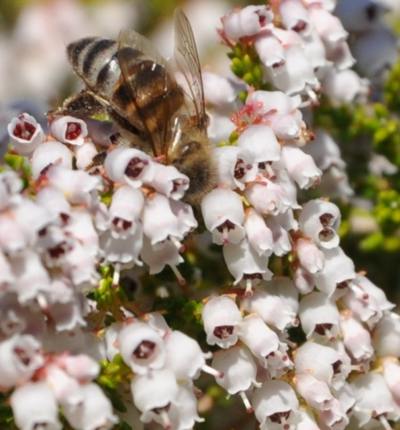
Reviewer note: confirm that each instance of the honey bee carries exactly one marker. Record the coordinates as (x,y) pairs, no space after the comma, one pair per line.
(138,89)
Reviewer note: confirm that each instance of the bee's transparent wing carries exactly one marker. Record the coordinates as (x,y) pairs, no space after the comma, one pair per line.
(187,62)
(153,92)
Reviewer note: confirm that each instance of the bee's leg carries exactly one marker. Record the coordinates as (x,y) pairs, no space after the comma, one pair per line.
(82,105)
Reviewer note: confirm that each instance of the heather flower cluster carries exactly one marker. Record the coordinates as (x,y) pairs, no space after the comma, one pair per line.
(304,339)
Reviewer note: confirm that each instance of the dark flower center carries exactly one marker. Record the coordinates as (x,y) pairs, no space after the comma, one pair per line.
(135,167)
(144,350)
(223,331)
(73,131)
(24,130)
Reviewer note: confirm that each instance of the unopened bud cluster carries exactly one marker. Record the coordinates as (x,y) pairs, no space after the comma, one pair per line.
(314,345)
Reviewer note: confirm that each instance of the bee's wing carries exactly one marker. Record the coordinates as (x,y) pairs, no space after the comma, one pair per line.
(151,88)
(188,63)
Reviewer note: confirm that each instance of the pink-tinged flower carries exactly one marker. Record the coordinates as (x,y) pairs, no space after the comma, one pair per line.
(20,357)
(169,181)
(184,357)
(246,22)
(75,184)
(13,241)
(374,402)
(319,316)
(264,343)
(129,166)
(333,366)
(336,274)
(300,166)
(237,367)
(221,318)
(279,111)
(310,257)
(68,129)
(325,151)
(356,339)
(260,142)
(319,220)
(386,336)
(282,243)
(55,202)
(235,166)
(34,406)
(153,395)
(49,153)
(275,405)
(276,302)
(303,280)
(66,389)
(185,217)
(25,133)
(244,263)
(258,233)
(218,90)
(93,412)
(223,215)
(366,301)
(158,256)
(141,347)
(328,26)
(80,366)
(84,155)
(125,211)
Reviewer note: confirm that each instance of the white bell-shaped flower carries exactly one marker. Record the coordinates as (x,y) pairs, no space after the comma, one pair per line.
(356,338)
(366,301)
(373,400)
(301,166)
(183,412)
(247,21)
(93,412)
(320,220)
(20,357)
(158,256)
(268,197)
(391,373)
(34,406)
(218,90)
(386,336)
(85,154)
(258,233)
(184,356)
(237,367)
(169,181)
(221,318)
(332,366)
(338,270)
(48,153)
(315,392)
(153,394)
(25,133)
(223,215)
(261,143)
(235,166)
(310,257)
(125,211)
(306,422)
(294,16)
(319,316)
(129,166)
(124,250)
(276,302)
(276,406)
(244,263)
(68,129)
(141,347)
